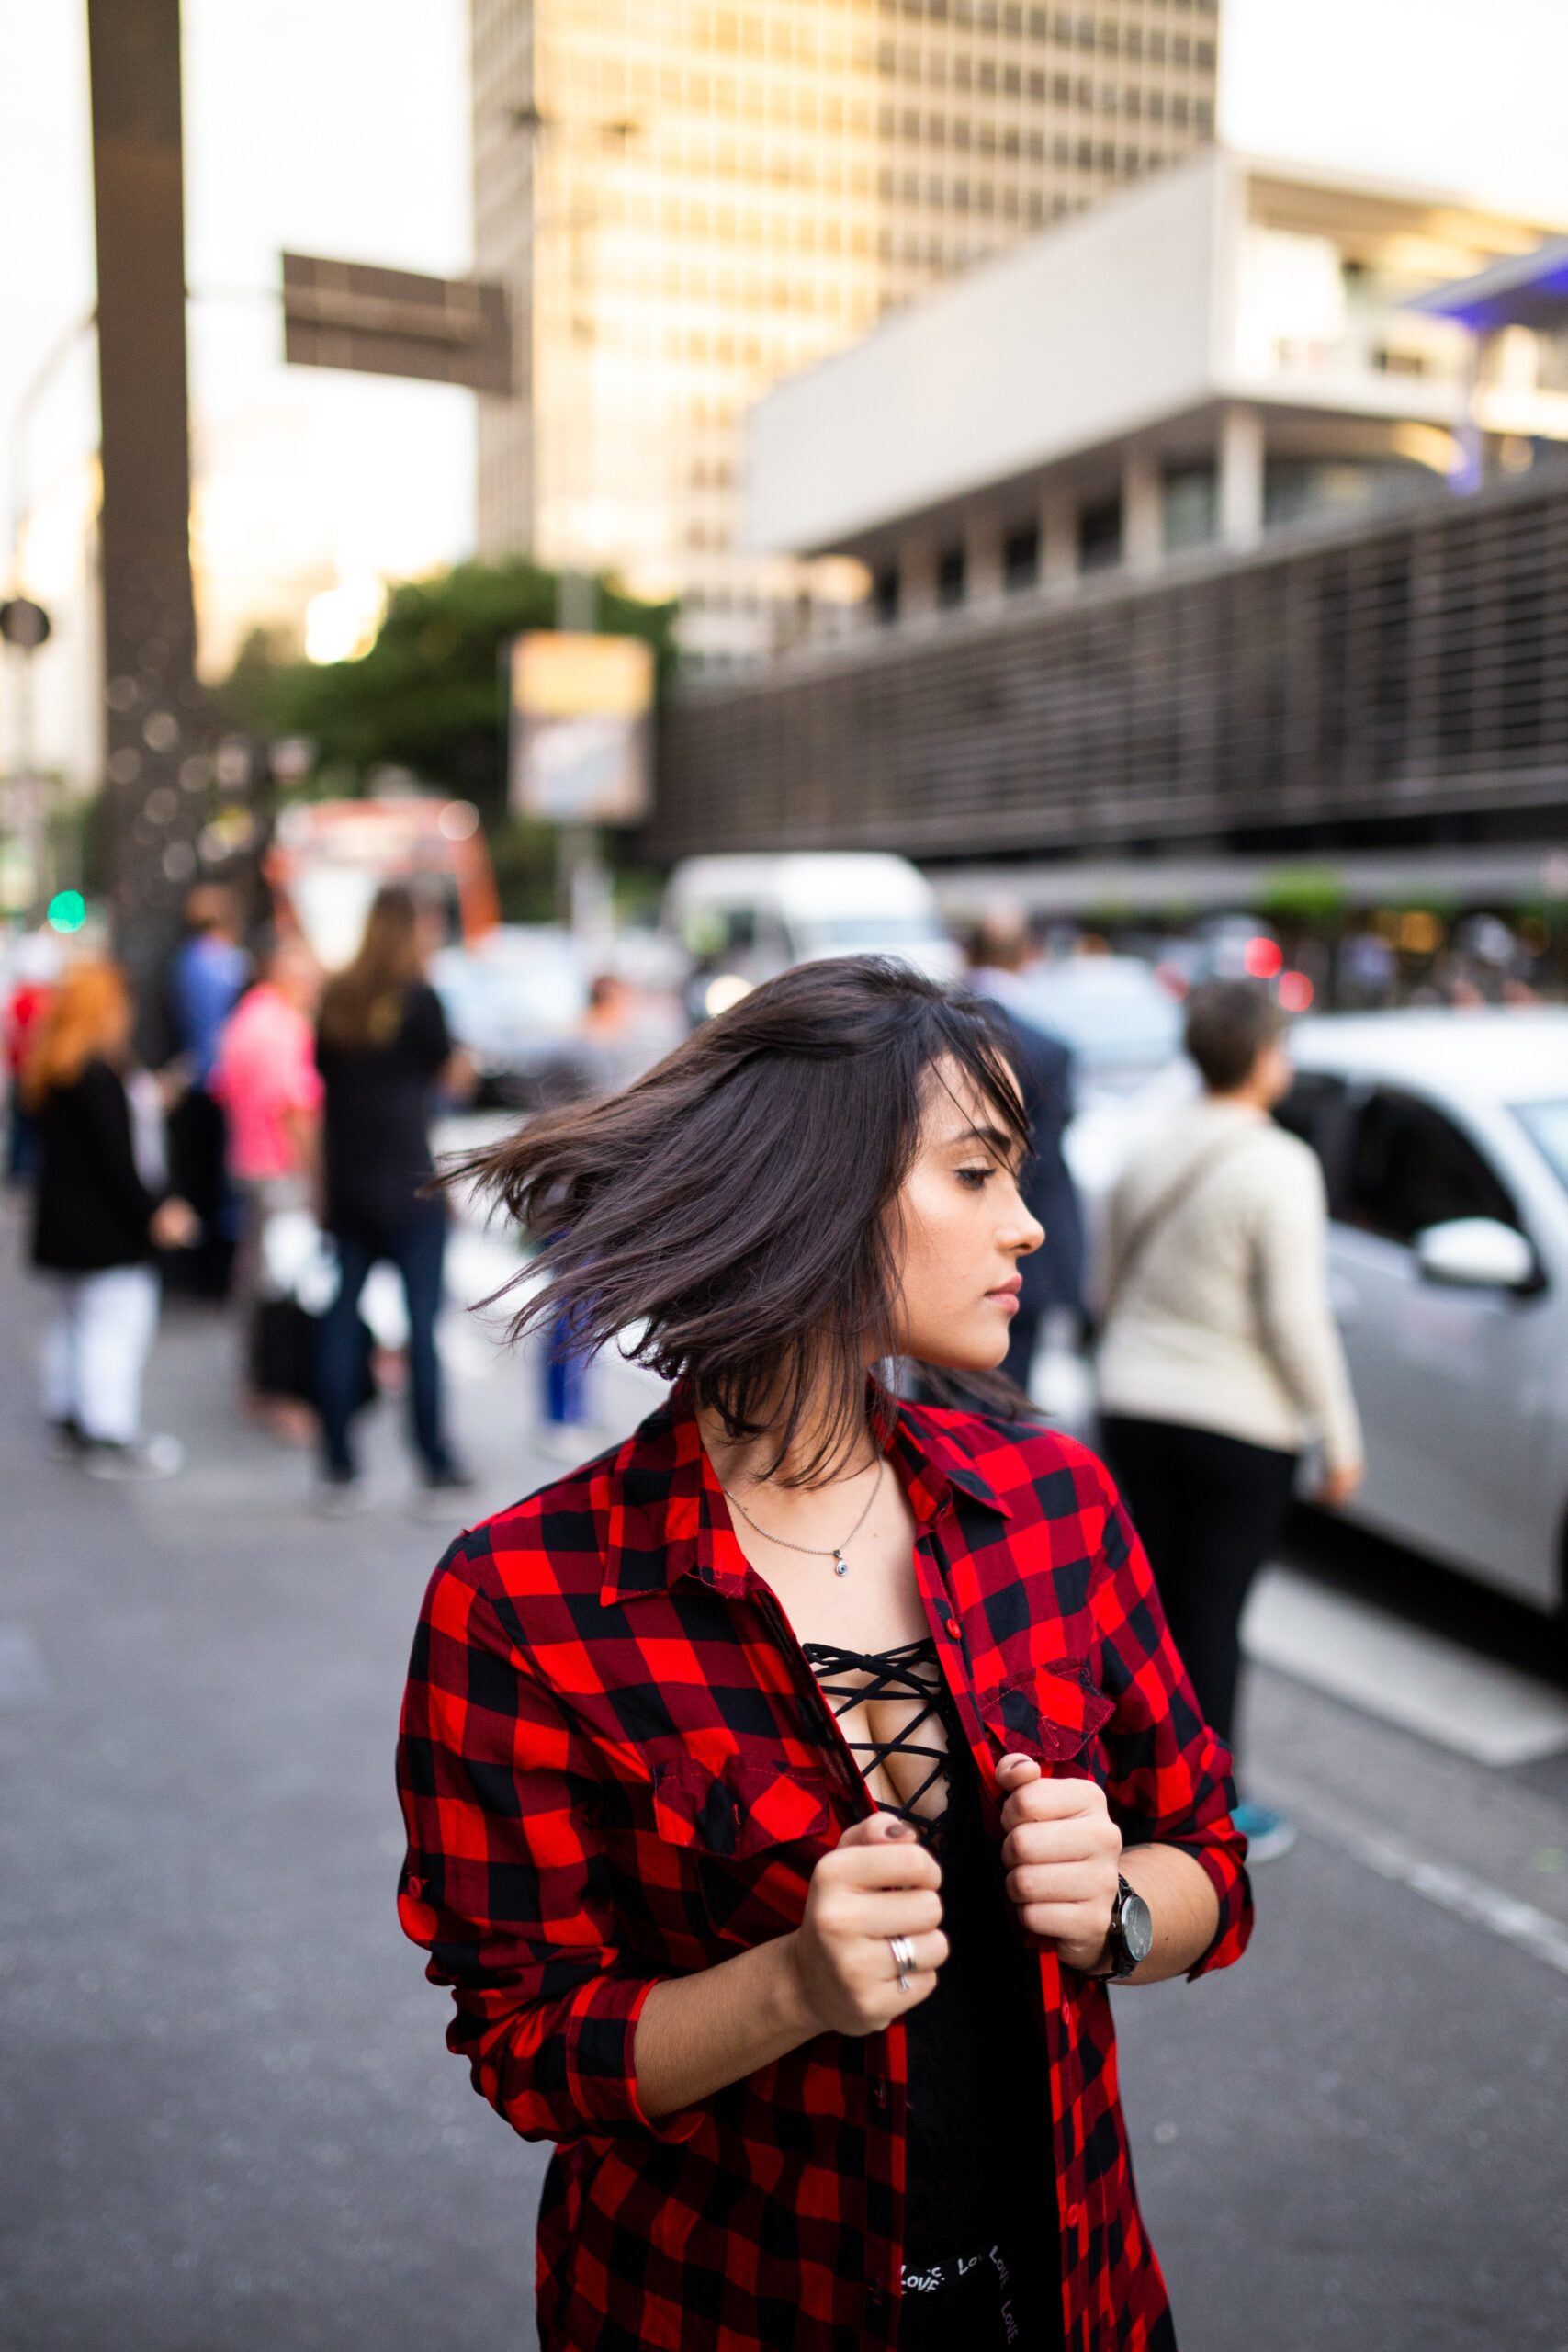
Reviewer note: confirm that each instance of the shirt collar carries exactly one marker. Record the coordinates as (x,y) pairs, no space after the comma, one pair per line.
(667,1516)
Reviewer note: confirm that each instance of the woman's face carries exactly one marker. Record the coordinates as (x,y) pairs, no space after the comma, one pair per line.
(963,1230)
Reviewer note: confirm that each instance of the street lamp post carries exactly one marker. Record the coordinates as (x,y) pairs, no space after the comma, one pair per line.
(582,881)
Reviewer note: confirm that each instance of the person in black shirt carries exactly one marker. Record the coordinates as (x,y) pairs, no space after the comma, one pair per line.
(382,1046)
(101,1207)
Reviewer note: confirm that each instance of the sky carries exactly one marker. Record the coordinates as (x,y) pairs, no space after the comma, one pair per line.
(340,127)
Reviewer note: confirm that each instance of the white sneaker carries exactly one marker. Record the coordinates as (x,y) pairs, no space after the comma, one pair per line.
(143,1459)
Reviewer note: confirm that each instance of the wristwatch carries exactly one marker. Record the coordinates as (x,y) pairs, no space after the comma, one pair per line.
(1130,1936)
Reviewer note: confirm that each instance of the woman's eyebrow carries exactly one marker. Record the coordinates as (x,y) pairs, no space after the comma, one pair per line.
(994,1138)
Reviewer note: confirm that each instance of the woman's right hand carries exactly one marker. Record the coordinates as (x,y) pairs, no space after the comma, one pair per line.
(878,1881)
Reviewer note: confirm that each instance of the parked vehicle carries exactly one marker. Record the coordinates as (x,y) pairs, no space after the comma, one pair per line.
(744,920)
(1444,1142)
(511,1002)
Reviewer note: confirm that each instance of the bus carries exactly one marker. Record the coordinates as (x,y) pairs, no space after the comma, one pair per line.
(327,859)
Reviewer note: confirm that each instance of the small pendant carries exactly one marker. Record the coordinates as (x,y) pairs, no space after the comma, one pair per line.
(841,1566)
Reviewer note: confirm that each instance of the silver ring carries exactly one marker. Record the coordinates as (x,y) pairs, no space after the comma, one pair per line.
(903,1952)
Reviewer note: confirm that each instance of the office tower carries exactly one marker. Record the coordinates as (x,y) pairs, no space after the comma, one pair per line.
(690,199)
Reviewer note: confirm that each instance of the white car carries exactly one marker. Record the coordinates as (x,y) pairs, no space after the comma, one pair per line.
(1444,1141)
(750,918)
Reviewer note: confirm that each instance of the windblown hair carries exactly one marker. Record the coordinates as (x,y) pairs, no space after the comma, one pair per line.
(362,1007)
(87,1019)
(731,1218)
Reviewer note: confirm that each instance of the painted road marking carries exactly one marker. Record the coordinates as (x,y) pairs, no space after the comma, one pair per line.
(1400,1673)
(1451,1888)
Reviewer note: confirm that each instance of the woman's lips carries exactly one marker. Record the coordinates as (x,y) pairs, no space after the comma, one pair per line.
(1006,1293)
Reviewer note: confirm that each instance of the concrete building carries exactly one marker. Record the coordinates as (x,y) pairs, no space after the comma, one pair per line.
(1214,354)
(692,200)
(1160,516)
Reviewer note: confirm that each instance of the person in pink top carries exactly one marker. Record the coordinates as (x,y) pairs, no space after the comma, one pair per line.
(266,1078)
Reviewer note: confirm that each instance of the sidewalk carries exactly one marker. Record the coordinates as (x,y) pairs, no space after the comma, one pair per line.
(229,2118)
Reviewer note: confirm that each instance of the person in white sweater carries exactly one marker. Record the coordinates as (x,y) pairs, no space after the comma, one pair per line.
(1219,1359)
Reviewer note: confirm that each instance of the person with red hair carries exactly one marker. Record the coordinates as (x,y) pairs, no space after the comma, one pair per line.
(102,1207)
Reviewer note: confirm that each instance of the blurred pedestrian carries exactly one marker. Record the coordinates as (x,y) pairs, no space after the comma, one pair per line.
(1054,1276)
(610,1048)
(210,970)
(383,1049)
(102,1207)
(265,1079)
(1219,1356)
(34,971)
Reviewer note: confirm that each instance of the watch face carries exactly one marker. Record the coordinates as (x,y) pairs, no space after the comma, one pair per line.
(1137,1928)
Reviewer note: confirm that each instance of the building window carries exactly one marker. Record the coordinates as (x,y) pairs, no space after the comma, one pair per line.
(884,595)
(950,577)
(1099,535)
(1021,558)
(1189,506)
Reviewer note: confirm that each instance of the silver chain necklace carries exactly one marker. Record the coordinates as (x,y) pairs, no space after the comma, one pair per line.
(834,1552)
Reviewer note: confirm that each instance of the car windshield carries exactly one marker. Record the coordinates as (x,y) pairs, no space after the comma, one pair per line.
(829,934)
(1548,1122)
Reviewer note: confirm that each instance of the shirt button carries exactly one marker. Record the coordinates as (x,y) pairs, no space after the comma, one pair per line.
(1075,2215)
(950,1627)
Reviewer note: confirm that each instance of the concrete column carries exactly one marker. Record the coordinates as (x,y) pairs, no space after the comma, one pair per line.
(917,580)
(1058,541)
(1142,534)
(982,563)
(1241,476)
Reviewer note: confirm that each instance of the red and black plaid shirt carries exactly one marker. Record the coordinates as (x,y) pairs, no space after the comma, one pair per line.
(615,1765)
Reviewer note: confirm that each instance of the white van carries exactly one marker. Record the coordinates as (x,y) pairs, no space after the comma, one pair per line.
(747,919)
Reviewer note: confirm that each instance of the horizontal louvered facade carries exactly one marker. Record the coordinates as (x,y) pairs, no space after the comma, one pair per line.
(1412,667)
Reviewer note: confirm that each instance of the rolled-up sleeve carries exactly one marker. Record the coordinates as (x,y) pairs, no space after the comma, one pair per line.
(1169,1773)
(505,1886)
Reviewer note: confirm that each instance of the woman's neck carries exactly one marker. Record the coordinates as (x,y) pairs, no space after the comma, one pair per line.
(751,1462)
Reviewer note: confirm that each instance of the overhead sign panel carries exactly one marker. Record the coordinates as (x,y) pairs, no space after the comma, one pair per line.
(581,709)
(396,323)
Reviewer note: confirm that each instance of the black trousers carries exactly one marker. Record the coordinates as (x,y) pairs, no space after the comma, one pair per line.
(1210,1509)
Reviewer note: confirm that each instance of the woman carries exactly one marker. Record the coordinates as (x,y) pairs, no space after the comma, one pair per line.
(777,1786)
(382,1049)
(1220,1356)
(99,1213)
(265,1080)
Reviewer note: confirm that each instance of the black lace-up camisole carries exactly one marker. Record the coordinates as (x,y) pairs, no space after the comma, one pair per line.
(978,2135)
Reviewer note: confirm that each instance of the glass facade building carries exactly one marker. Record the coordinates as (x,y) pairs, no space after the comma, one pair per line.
(690,199)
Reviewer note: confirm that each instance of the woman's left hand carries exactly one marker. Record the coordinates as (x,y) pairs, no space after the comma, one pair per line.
(1063,1854)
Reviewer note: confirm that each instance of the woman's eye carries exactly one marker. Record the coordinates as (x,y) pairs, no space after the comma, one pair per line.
(976,1177)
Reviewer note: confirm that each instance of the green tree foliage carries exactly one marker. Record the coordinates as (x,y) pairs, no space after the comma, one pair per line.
(431,694)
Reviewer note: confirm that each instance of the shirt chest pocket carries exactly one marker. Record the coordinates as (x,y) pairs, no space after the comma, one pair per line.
(746,1837)
(739,1809)
(1050,1712)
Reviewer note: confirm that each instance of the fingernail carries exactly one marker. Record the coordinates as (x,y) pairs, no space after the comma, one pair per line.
(1013,1759)
(901,1829)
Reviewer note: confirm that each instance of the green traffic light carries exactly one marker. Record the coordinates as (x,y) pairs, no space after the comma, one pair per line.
(67,910)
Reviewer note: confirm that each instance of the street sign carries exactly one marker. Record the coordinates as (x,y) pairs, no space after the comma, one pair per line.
(396,323)
(24,624)
(581,709)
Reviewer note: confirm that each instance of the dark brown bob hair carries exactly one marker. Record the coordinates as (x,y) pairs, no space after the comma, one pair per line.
(728,1217)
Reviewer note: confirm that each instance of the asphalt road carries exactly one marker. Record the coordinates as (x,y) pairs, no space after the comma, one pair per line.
(227,2119)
